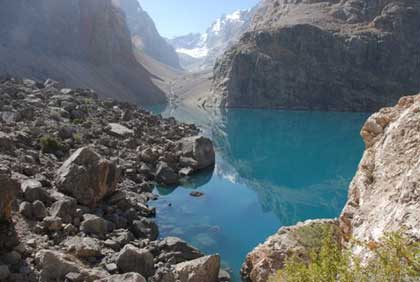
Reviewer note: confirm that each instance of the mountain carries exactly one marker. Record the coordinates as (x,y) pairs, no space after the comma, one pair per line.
(84,43)
(145,36)
(334,55)
(199,51)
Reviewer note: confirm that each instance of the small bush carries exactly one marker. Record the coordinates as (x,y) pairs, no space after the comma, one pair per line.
(50,145)
(77,137)
(392,259)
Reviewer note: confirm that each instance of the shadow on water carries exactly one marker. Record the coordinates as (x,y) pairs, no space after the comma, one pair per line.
(273,168)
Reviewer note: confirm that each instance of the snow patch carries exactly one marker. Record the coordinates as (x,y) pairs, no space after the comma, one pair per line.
(195,53)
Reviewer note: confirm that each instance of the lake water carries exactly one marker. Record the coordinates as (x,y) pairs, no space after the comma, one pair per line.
(274,168)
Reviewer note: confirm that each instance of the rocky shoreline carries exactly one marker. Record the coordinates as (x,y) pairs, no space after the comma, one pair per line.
(383,196)
(76,174)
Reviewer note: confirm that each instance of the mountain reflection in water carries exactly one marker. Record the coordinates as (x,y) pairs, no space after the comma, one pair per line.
(273,168)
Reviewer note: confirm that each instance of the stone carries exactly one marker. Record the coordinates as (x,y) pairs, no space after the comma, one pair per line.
(4,272)
(52,223)
(118,130)
(33,191)
(145,228)
(55,266)
(178,249)
(166,175)
(204,269)
(224,276)
(127,277)
(8,190)
(132,259)
(11,258)
(87,177)
(25,208)
(196,194)
(93,224)
(200,149)
(83,247)
(39,211)
(64,208)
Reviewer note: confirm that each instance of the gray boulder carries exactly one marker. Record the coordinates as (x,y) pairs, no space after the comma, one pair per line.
(83,247)
(204,269)
(166,175)
(87,177)
(93,224)
(179,250)
(132,259)
(200,149)
(33,191)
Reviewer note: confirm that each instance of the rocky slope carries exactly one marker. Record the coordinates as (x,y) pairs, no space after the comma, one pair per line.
(384,194)
(76,174)
(199,52)
(145,36)
(343,55)
(83,43)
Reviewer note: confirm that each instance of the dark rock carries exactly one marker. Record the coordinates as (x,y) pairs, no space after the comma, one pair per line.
(33,191)
(65,209)
(197,194)
(200,149)
(93,224)
(166,175)
(25,208)
(145,228)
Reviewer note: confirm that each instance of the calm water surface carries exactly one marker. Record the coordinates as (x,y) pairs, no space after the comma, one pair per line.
(274,168)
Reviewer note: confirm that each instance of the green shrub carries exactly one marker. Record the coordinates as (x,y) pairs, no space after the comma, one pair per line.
(50,145)
(392,259)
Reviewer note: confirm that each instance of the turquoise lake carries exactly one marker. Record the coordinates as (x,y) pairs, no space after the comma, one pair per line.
(274,168)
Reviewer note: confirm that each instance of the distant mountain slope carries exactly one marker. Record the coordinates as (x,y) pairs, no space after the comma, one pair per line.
(332,55)
(145,35)
(84,43)
(199,51)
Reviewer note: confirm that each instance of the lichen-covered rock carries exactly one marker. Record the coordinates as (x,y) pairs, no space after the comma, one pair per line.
(87,177)
(323,55)
(385,193)
(270,256)
(204,269)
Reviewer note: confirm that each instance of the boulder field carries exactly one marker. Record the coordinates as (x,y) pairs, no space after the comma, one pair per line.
(383,197)
(76,175)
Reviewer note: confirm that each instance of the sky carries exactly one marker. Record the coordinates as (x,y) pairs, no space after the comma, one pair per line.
(180,17)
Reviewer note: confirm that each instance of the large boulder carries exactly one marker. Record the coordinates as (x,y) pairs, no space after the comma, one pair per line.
(87,177)
(177,249)
(204,269)
(55,266)
(132,259)
(200,149)
(8,190)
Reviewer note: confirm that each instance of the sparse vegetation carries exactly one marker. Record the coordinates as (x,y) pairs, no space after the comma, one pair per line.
(50,144)
(393,259)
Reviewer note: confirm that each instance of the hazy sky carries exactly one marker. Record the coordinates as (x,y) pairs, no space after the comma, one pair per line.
(179,17)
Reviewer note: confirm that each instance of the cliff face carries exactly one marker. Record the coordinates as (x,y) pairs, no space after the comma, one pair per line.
(145,36)
(83,43)
(384,195)
(348,55)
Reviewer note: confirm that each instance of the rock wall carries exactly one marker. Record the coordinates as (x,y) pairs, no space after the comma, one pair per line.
(348,55)
(82,43)
(145,35)
(384,195)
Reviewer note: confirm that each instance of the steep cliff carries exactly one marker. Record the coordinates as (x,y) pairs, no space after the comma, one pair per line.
(82,43)
(384,195)
(145,36)
(344,55)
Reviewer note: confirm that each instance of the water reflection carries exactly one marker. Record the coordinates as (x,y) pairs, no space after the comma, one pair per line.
(273,168)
